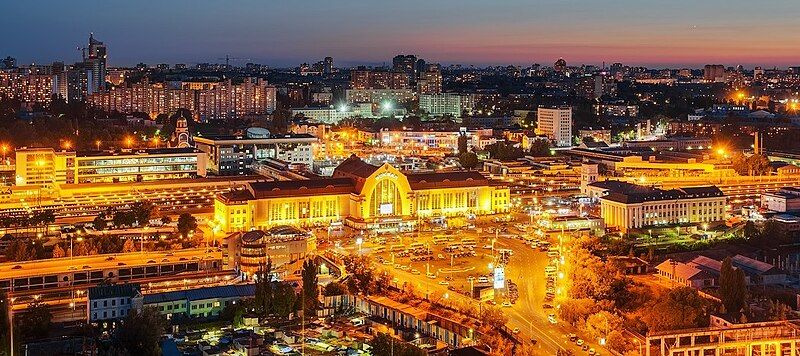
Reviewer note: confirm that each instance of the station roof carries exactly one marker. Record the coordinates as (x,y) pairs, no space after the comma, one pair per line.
(217,292)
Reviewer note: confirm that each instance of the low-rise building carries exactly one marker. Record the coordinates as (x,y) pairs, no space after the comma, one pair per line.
(685,274)
(47,167)
(285,246)
(783,201)
(109,303)
(234,155)
(381,198)
(630,206)
(200,302)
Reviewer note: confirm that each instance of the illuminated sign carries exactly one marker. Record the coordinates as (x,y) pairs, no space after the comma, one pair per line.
(386,209)
(499,277)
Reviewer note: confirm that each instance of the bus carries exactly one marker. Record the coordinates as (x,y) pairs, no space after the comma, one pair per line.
(440,239)
(396,248)
(416,245)
(453,246)
(469,242)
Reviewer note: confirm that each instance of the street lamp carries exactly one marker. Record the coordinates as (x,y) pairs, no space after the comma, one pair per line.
(97,143)
(359,242)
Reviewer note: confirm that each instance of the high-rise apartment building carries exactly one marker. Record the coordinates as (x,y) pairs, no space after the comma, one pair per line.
(406,64)
(714,73)
(206,100)
(556,124)
(430,81)
(376,79)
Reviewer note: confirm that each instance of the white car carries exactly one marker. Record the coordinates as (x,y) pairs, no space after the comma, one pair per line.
(415,271)
(506,304)
(431,275)
(483,279)
(444,283)
(552,319)
(579,342)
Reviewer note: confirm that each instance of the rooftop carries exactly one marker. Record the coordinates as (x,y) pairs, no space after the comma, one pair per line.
(114,291)
(217,292)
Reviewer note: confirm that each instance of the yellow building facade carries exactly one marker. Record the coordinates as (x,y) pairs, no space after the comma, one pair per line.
(363,196)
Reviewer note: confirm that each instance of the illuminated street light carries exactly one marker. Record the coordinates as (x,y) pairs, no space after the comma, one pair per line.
(387,106)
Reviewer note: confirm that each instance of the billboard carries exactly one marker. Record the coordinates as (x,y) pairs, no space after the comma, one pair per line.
(499,277)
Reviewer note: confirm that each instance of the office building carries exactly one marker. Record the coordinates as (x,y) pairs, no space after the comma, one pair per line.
(364,196)
(556,124)
(47,167)
(109,303)
(629,206)
(284,245)
(235,155)
(96,62)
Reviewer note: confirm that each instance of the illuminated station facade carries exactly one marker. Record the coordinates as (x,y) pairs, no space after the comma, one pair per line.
(362,196)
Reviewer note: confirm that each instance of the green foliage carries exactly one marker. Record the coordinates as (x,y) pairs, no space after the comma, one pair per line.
(468,160)
(777,311)
(385,345)
(754,165)
(732,288)
(140,332)
(680,308)
(100,222)
(334,288)
(35,322)
(504,151)
(5,329)
(310,287)
(462,143)
(186,224)
(540,148)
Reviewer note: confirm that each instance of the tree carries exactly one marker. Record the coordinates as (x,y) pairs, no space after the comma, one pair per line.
(58,252)
(750,230)
(5,327)
(468,160)
(20,250)
(284,299)
(128,246)
(166,220)
(334,288)
(280,121)
(186,224)
(264,290)
(99,222)
(777,311)
(599,325)
(462,143)
(362,274)
(140,332)
(36,321)
(540,148)
(141,212)
(310,287)
(680,308)
(732,287)
(385,345)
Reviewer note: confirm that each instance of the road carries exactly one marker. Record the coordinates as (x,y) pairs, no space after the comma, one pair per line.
(526,269)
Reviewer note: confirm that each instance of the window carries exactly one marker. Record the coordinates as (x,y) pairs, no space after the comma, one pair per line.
(105,303)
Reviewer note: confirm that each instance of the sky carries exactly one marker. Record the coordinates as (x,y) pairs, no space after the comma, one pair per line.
(654,33)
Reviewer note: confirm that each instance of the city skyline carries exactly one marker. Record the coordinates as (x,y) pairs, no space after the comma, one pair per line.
(678,34)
